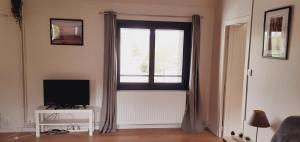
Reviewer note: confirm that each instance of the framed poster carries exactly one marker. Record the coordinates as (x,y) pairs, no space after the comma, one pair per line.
(66,31)
(276,33)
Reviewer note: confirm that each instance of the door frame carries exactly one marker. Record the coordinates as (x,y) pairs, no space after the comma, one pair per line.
(223,68)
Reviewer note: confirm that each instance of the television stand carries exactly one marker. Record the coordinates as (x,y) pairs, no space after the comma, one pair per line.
(40,120)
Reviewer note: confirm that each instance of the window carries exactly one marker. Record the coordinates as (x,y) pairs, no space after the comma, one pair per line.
(153,55)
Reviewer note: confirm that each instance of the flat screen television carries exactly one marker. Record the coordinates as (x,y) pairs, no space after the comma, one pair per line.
(66,93)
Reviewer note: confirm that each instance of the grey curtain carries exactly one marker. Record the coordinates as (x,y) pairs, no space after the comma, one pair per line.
(192,121)
(108,110)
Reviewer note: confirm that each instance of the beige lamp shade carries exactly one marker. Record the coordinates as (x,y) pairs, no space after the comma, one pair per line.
(259,119)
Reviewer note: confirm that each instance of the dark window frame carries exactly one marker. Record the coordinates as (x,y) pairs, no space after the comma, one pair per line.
(152,25)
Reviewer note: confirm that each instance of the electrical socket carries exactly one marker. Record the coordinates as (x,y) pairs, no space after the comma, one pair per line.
(30,120)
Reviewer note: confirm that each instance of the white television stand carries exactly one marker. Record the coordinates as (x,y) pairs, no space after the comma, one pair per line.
(40,120)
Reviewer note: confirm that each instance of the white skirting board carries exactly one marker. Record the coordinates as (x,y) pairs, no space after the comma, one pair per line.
(31,127)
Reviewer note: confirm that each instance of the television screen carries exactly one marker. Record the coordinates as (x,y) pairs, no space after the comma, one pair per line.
(66,92)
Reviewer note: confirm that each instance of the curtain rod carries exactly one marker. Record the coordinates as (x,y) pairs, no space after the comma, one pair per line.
(151,15)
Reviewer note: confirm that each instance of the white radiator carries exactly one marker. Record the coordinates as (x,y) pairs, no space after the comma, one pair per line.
(150,109)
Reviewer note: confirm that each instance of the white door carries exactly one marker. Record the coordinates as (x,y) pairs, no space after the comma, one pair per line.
(233,97)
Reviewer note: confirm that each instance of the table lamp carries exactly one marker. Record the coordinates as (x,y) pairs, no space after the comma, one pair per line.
(259,120)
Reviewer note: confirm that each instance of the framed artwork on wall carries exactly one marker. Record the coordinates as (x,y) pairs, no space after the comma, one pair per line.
(276,33)
(66,31)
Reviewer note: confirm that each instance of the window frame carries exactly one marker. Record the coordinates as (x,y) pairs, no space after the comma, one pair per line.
(152,25)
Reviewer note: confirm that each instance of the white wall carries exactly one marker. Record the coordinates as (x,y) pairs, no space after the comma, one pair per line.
(213,113)
(233,9)
(228,11)
(45,61)
(11,102)
(274,84)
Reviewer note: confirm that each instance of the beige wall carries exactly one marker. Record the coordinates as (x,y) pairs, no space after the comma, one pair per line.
(45,61)
(11,102)
(273,86)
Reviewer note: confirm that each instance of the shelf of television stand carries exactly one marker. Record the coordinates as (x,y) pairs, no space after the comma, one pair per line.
(64,122)
(41,121)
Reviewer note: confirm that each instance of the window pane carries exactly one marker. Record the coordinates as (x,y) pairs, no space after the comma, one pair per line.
(168,56)
(134,55)
(166,79)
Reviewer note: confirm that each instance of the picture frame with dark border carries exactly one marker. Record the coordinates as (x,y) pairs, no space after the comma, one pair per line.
(66,31)
(276,33)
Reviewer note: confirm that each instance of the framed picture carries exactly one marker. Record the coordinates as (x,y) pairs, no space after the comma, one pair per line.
(276,33)
(66,31)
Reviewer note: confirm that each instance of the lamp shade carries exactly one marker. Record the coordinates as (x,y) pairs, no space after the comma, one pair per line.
(259,119)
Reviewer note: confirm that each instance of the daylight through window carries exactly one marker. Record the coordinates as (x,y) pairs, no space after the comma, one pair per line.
(153,55)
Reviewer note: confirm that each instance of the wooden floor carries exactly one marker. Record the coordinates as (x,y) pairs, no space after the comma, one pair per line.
(137,135)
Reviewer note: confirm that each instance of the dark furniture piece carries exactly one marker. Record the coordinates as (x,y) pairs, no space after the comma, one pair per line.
(289,130)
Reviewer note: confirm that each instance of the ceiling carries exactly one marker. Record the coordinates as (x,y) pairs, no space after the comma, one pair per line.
(199,3)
